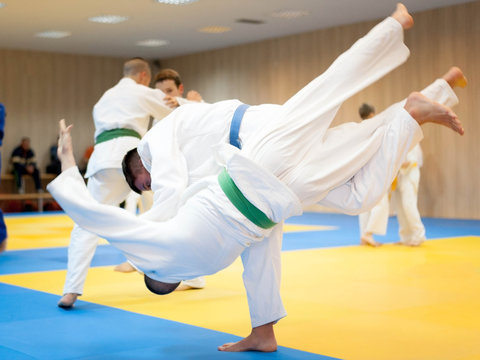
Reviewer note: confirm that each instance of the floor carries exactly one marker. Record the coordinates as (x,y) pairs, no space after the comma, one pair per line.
(344,301)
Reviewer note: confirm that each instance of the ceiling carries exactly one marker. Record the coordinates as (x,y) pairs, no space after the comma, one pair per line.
(21,19)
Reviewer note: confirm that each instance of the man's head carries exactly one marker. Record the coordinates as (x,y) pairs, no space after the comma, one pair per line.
(137,177)
(138,69)
(158,287)
(25,143)
(168,80)
(366,111)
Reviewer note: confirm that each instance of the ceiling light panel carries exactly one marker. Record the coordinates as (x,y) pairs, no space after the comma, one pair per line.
(214,29)
(176,2)
(152,42)
(108,19)
(53,34)
(290,14)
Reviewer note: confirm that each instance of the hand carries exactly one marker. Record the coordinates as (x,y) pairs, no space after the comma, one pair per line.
(193,95)
(171,101)
(30,168)
(65,147)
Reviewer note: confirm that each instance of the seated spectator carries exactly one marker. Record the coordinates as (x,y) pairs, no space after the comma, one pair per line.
(23,160)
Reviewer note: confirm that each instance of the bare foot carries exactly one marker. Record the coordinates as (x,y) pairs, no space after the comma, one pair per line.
(67,300)
(369,241)
(3,245)
(424,110)
(124,267)
(402,16)
(454,77)
(262,338)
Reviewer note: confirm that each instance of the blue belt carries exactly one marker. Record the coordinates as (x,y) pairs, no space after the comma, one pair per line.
(235,125)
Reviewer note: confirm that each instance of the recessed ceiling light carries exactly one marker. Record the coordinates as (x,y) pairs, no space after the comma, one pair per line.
(215,29)
(175,2)
(290,14)
(108,19)
(53,34)
(153,42)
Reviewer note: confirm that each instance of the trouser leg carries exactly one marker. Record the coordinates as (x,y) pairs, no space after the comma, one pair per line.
(354,144)
(305,117)
(411,228)
(36,179)
(108,187)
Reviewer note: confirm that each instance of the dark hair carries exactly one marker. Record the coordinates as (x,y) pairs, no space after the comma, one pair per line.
(168,74)
(128,168)
(366,110)
(159,287)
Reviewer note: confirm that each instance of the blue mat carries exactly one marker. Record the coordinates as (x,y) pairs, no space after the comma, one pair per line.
(32,328)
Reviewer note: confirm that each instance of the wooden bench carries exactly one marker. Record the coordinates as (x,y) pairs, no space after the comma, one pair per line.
(29,196)
(8,190)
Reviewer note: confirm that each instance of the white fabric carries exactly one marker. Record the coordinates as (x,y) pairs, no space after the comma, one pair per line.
(172,251)
(107,187)
(290,143)
(375,221)
(405,198)
(127,105)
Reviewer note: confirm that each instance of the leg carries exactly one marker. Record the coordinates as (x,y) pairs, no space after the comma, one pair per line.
(411,228)
(18,171)
(36,179)
(108,187)
(261,278)
(374,177)
(374,222)
(307,115)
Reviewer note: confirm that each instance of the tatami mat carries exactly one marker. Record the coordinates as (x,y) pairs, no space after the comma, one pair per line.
(345,302)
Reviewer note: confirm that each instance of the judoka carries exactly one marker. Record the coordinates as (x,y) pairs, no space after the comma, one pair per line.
(284,166)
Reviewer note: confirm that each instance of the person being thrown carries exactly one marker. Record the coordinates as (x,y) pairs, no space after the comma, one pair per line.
(273,176)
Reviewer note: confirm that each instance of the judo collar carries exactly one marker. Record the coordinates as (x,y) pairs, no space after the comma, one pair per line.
(115,133)
(250,211)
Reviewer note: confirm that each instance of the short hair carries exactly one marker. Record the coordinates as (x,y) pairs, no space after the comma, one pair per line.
(366,110)
(130,164)
(159,287)
(135,66)
(168,74)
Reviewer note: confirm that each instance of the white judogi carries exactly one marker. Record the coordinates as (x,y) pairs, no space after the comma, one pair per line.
(348,167)
(405,198)
(375,220)
(411,228)
(127,105)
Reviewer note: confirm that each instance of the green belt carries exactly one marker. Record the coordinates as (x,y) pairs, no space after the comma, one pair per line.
(249,210)
(115,133)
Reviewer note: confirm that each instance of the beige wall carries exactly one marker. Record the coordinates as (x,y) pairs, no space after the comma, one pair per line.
(39,88)
(271,71)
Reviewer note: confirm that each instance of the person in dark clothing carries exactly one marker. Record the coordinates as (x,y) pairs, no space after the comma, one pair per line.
(23,160)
